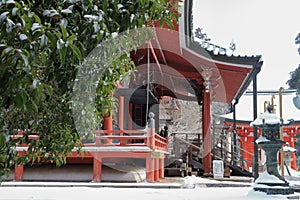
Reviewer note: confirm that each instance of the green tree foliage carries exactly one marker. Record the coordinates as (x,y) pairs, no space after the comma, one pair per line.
(42,43)
(294,81)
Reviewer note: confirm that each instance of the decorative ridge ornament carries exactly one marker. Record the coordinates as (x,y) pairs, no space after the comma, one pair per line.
(206,74)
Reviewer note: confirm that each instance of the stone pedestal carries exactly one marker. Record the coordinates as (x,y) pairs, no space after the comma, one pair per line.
(271,182)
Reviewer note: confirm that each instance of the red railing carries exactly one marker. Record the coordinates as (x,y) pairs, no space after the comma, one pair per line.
(129,138)
(160,142)
(132,138)
(120,138)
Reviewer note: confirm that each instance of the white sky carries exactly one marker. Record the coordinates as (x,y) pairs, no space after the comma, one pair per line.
(266,28)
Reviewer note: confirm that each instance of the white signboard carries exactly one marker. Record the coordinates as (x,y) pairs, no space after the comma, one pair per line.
(218,168)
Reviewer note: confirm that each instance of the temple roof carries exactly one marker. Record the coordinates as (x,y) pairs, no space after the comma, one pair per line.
(177,62)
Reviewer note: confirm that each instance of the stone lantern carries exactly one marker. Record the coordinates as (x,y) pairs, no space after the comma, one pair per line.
(288,150)
(271,182)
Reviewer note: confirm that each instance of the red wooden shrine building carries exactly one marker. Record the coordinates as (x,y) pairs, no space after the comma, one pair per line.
(171,64)
(246,140)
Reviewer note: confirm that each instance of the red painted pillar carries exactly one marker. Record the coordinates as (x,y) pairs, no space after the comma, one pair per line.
(19,170)
(249,147)
(149,169)
(108,122)
(121,118)
(161,168)
(292,144)
(108,125)
(121,112)
(151,132)
(156,169)
(130,116)
(150,139)
(206,134)
(97,168)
